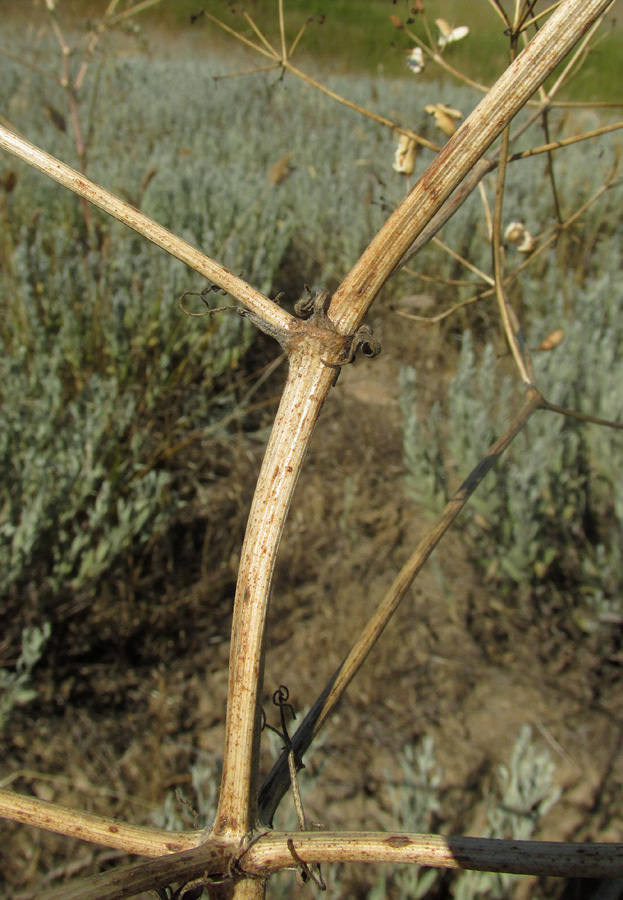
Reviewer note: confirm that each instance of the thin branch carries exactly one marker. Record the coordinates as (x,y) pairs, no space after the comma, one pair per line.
(464,262)
(579,52)
(254,71)
(440,60)
(520,352)
(434,320)
(551,174)
(583,417)
(271,54)
(499,9)
(544,243)
(381,120)
(284,62)
(133,10)
(554,232)
(213,858)
(534,19)
(30,65)
(282,30)
(261,36)
(565,142)
(296,40)
(162,237)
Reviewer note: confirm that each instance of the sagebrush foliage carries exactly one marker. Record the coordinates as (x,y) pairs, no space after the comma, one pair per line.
(101,372)
(553,506)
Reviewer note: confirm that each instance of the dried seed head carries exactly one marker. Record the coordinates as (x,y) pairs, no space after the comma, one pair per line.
(415,60)
(517,233)
(552,340)
(406,152)
(527,244)
(449,35)
(443,117)
(514,232)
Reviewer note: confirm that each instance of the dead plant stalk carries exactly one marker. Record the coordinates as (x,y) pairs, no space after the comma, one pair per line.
(228,850)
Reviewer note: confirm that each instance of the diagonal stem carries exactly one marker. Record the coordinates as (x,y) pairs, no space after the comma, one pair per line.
(277,782)
(494,112)
(157,234)
(98,829)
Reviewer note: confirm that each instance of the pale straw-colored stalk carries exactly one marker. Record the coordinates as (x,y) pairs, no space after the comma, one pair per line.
(308,383)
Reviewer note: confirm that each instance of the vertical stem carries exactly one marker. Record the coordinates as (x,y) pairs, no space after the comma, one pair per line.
(306,387)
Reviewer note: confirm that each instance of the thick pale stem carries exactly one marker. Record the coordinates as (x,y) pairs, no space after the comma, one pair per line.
(273,851)
(306,387)
(162,237)
(481,854)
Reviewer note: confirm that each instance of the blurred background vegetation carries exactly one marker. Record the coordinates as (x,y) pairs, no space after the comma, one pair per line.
(356,36)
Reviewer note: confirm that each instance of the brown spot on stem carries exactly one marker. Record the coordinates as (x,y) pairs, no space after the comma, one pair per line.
(398,840)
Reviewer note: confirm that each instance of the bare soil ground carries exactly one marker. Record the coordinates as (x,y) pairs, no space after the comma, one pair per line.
(132,687)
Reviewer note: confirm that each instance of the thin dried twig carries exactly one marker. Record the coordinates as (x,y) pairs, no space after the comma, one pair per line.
(566,142)
(518,347)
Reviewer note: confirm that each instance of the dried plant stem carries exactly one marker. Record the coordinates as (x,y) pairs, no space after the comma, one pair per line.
(566,142)
(308,384)
(583,417)
(212,858)
(482,854)
(30,65)
(282,61)
(422,552)
(270,853)
(162,237)
(437,58)
(520,352)
(482,168)
(97,829)
(249,889)
(545,242)
(464,262)
(306,387)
